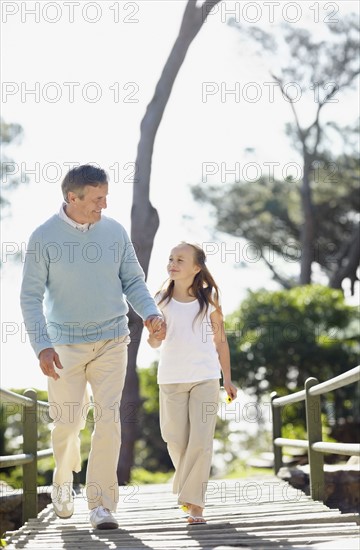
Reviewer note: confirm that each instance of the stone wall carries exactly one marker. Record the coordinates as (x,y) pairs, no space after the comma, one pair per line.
(342,483)
(11,506)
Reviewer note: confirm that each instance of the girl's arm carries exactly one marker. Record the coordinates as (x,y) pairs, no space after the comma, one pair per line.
(222,348)
(153,341)
(157,335)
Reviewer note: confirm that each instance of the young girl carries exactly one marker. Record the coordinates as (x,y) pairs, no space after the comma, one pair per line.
(193,353)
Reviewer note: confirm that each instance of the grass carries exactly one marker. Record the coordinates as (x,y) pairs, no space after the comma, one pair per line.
(248,471)
(142,476)
(239,470)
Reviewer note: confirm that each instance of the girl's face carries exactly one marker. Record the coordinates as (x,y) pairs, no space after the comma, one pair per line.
(181,263)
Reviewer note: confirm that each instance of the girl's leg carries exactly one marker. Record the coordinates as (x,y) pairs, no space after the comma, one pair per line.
(174,424)
(196,461)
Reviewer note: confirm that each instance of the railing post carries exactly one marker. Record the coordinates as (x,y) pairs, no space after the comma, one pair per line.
(29,509)
(276,418)
(314,431)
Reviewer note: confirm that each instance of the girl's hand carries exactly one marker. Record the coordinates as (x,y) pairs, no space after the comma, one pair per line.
(160,332)
(156,327)
(230,389)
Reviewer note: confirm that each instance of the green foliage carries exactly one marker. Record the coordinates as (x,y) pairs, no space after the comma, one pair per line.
(9,133)
(279,339)
(11,440)
(240,469)
(142,476)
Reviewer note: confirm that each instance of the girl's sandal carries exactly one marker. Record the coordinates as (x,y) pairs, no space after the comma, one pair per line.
(196,520)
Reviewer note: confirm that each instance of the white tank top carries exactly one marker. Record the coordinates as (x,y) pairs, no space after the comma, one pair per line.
(188,353)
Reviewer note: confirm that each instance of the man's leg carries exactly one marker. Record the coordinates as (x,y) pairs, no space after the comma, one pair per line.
(67,397)
(106,375)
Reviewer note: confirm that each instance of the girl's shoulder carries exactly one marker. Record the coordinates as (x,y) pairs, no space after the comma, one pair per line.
(159,297)
(215,299)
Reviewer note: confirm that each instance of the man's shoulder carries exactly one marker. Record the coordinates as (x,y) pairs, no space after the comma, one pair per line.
(46,226)
(111,224)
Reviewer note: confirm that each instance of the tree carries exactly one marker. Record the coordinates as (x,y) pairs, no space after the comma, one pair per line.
(267,213)
(8,134)
(326,68)
(144,217)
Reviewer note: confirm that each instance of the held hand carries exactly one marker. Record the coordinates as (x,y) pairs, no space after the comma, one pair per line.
(160,333)
(231,391)
(48,358)
(156,327)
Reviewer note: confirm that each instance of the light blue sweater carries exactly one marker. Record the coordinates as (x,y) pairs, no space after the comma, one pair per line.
(82,279)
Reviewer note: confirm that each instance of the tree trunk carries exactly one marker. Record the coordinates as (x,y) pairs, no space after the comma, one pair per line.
(349,264)
(307,236)
(144,217)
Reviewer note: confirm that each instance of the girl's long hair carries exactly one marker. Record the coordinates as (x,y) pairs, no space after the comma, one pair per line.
(203,286)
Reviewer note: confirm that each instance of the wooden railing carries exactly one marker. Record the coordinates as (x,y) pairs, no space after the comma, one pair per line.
(314,445)
(31,408)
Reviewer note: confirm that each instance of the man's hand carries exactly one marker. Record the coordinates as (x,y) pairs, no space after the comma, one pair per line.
(156,327)
(48,358)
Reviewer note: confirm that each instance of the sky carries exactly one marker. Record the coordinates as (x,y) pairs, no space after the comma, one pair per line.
(78,77)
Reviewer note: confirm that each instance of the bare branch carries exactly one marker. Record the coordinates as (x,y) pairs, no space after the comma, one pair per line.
(279,81)
(285,283)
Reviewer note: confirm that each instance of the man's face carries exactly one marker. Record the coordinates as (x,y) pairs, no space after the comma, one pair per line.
(88,209)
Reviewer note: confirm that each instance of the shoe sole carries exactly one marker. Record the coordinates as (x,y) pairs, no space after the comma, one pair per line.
(107,525)
(64,517)
(197,520)
(59,514)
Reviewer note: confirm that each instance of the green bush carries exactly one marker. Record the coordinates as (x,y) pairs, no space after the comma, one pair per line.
(279,339)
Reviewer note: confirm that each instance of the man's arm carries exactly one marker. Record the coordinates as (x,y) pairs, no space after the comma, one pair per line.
(35,274)
(134,285)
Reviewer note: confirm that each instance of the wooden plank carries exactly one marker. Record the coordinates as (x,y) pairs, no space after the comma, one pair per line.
(150,518)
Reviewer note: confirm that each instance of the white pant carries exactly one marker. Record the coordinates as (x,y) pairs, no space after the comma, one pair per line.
(188,413)
(103,365)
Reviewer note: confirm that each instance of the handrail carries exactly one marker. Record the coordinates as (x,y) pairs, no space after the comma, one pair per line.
(314,444)
(289,399)
(337,382)
(21,400)
(28,459)
(17,460)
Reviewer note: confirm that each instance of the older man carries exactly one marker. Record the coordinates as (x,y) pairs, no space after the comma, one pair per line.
(81,265)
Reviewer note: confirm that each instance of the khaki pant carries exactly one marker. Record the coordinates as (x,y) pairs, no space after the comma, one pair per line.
(103,365)
(188,413)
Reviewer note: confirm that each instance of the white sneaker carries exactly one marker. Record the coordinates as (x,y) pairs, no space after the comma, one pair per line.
(62,497)
(102,518)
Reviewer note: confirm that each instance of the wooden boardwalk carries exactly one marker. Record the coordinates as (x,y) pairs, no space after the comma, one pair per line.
(254,513)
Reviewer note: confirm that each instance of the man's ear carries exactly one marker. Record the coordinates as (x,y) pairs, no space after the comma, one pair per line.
(71,196)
